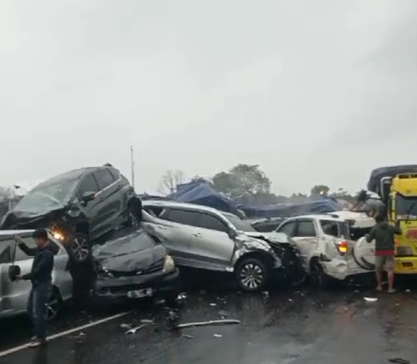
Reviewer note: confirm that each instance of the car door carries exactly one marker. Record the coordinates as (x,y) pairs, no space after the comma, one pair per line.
(210,242)
(91,208)
(15,294)
(176,226)
(306,238)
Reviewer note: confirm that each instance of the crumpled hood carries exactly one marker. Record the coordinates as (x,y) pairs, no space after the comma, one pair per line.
(132,262)
(272,237)
(252,243)
(28,219)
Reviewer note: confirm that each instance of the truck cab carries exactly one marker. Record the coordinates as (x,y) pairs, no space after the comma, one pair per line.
(397,187)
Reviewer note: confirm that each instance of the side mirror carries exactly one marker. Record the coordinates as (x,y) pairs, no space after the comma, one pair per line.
(88,196)
(232,234)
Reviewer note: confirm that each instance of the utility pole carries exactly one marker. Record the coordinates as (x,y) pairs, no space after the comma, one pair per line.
(132,165)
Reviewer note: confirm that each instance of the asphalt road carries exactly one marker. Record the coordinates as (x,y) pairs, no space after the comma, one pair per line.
(305,326)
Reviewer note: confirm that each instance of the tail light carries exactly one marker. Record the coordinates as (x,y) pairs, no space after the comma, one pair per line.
(342,247)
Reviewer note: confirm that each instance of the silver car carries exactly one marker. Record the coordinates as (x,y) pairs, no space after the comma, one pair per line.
(202,237)
(14,295)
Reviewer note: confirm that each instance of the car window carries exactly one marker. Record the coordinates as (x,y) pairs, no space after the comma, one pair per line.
(104,178)
(154,210)
(5,252)
(115,173)
(288,228)
(331,228)
(305,229)
(88,184)
(206,221)
(185,217)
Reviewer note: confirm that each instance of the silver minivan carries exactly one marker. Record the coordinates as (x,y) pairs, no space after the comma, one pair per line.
(14,295)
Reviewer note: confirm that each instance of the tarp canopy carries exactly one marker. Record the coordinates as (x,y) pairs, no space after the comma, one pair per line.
(287,210)
(200,193)
(377,174)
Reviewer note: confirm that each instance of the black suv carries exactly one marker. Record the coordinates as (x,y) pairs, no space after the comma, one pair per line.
(79,207)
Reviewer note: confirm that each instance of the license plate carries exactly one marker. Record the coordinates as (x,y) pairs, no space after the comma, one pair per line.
(140,293)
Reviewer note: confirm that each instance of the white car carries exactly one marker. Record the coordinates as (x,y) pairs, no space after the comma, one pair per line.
(14,295)
(327,244)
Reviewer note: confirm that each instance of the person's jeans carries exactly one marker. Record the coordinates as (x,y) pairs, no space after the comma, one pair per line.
(37,307)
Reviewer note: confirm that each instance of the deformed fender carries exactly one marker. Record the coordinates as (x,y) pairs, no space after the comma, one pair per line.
(246,246)
(336,268)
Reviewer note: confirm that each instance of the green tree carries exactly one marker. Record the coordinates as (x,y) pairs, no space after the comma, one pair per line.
(318,190)
(244,183)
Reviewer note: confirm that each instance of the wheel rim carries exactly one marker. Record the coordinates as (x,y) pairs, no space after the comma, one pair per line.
(79,248)
(52,306)
(251,276)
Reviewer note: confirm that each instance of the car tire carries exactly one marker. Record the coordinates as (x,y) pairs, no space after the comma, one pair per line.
(54,304)
(80,247)
(318,277)
(252,275)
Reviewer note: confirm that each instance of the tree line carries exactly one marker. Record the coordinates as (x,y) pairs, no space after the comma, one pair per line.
(247,184)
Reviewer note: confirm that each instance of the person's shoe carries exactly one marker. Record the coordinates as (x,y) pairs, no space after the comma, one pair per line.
(37,343)
(379,288)
(391,290)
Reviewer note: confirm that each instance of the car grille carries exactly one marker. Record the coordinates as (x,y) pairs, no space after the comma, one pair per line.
(153,269)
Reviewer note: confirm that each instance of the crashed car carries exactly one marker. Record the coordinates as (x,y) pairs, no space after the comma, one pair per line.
(134,265)
(79,207)
(267,225)
(205,238)
(327,244)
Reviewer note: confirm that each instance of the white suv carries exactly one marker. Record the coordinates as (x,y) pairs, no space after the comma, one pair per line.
(325,245)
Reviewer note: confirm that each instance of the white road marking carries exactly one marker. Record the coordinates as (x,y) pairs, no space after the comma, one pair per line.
(65,333)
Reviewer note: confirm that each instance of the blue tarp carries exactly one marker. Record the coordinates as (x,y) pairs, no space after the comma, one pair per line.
(287,210)
(200,193)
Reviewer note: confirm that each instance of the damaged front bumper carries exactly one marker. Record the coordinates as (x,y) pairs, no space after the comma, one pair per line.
(150,285)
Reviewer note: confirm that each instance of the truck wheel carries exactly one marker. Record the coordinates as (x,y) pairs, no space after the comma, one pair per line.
(80,248)
(252,275)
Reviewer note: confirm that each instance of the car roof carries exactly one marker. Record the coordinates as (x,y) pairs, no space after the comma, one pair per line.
(316,217)
(74,174)
(190,206)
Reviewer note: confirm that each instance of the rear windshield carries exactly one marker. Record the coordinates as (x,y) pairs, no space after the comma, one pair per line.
(338,229)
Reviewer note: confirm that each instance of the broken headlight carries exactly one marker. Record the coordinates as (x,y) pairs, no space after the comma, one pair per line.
(104,273)
(169,264)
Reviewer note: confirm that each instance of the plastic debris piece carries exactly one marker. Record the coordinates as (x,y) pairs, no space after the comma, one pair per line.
(370,299)
(146,321)
(213,304)
(408,290)
(135,329)
(217,335)
(125,326)
(399,361)
(208,323)
(187,336)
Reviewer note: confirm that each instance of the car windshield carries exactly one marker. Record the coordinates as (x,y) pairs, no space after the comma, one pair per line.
(239,224)
(406,207)
(125,242)
(46,196)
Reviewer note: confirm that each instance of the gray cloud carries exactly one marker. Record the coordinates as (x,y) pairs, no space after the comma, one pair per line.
(299,87)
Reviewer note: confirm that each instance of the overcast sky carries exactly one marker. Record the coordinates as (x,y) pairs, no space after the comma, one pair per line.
(313,91)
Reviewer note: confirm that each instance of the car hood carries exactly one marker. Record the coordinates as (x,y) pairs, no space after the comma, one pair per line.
(272,238)
(252,243)
(29,219)
(117,258)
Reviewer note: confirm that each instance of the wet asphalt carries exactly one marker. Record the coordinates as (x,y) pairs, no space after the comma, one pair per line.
(304,326)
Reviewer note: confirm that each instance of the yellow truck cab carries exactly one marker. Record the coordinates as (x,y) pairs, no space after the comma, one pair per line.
(397,187)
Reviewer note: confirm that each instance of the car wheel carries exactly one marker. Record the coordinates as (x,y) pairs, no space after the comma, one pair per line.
(54,305)
(80,247)
(252,275)
(318,277)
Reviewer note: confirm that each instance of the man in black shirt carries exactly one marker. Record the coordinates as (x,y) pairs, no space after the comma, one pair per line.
(41,278)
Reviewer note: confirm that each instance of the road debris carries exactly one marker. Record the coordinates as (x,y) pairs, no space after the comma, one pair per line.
(134,330)
(370,299)
(208,323)
(223,313)
(217,335)
(146,321)
(213,304)
(187,336)
(126,326)
(399,361)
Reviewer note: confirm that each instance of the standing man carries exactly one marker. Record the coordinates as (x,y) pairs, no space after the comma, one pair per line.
(384,236)
(41,278)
